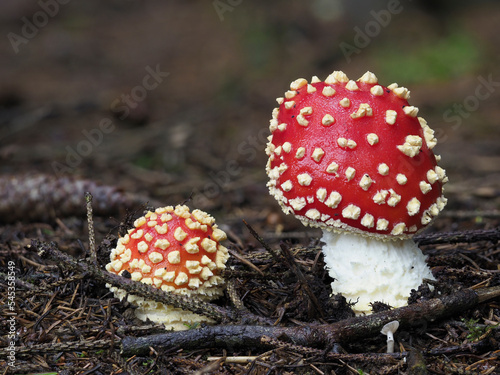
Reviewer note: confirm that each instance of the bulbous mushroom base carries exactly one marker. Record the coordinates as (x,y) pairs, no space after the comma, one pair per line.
(368,270)
(171,317)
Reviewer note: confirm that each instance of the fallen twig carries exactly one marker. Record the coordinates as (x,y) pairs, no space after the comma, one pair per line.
(215,312)
(23,351)
(269,249)
(476,347)
(349,330)
(468,236)
(90,222)
(52,286)
(379,358)
(218,313)
(292,264)
(43,197)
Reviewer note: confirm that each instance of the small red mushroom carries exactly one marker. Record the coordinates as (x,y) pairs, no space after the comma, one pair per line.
(352,157)
(176,250)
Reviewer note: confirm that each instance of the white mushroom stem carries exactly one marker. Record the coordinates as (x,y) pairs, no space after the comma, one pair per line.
(389,330)
(368,270)
(390,342)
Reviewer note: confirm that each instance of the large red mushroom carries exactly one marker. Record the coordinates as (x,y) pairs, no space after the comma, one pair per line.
(177,251)
(354,159)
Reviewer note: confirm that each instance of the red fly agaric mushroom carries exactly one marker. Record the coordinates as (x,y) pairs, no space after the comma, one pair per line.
(353,158)
(176,250)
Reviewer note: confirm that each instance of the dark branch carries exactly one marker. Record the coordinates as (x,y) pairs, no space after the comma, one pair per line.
(195,305)
(456,237)
(349,330)
(60,197)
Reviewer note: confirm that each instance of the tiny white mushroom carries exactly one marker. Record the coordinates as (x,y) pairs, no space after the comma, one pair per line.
(389,330)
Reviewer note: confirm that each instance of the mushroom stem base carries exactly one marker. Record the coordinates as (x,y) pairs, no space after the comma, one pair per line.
(172,318)
(369,270)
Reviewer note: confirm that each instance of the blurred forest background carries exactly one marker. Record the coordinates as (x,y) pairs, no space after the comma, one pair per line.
(172,99)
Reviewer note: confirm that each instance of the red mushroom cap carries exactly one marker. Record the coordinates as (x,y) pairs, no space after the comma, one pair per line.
(175,250)
(355,156)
